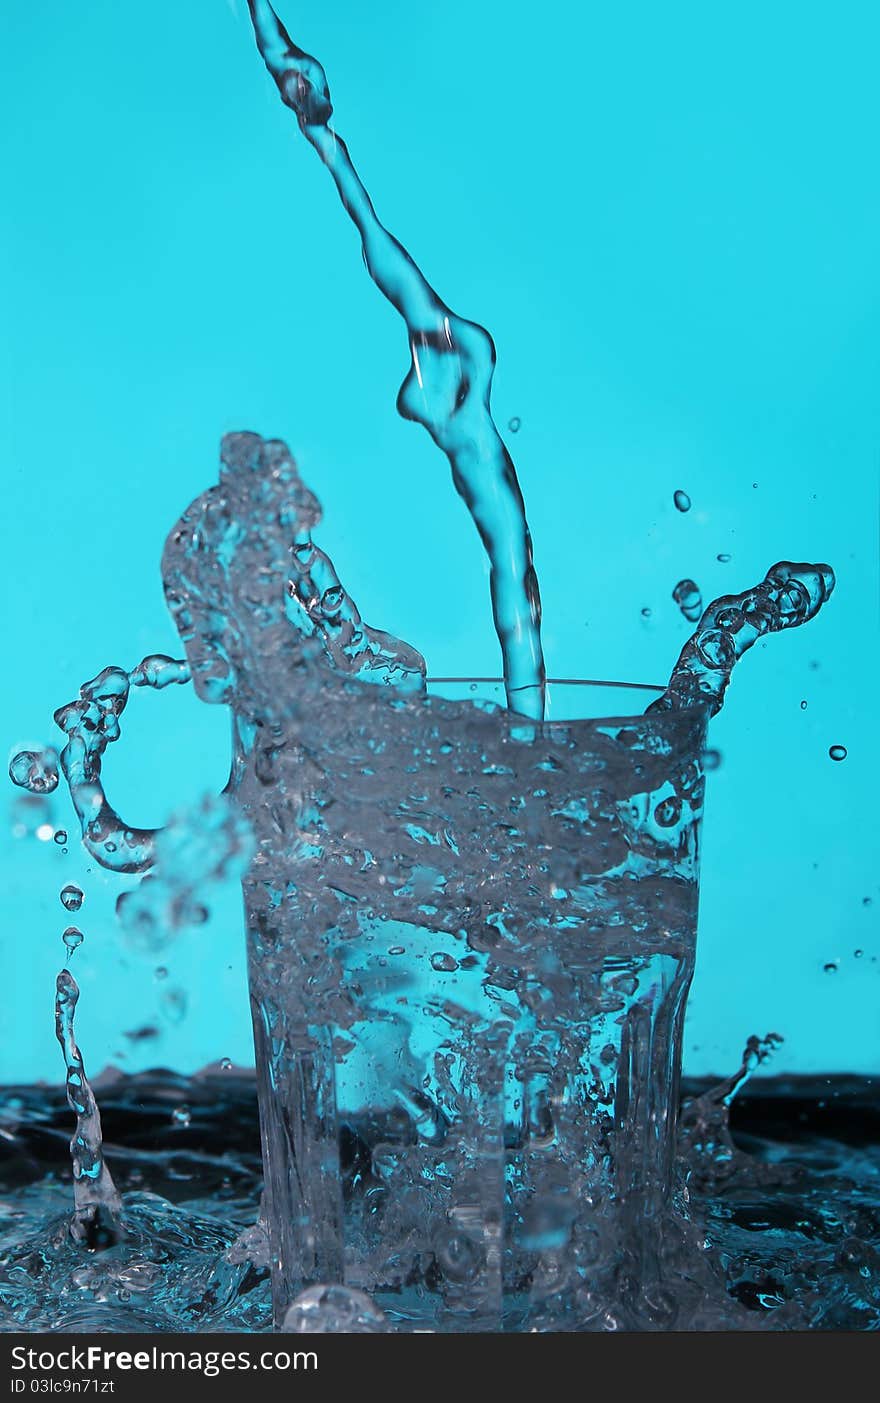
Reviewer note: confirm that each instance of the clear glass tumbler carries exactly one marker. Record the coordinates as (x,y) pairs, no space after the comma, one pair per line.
(471,938)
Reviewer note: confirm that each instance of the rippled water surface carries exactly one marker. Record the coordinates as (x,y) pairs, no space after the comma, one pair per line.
(787,1211)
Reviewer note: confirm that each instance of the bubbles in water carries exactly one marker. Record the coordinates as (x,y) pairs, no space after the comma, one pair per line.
(830,967)
(35,770)
(682,500)
(803,706)
(711,759)
(71,897)
(646,613)
(181,1115)
(790,595)
(668,812)
(837,752)
(334,1310)
(689,599)
(444,964)
(61,837)
(723,558)
(73,939)
(226,1064)
(160,972)
(514,424)
(857,954)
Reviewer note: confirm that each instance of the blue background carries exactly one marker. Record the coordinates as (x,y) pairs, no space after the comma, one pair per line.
(668,217)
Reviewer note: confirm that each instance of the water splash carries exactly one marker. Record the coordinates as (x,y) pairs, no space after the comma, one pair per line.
(199,848)
(97,1206)
(789,595)
(448,387)
(704,1126)
(254,598)
(91,724)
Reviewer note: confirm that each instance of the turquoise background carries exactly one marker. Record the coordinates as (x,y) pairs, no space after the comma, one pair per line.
(667,215)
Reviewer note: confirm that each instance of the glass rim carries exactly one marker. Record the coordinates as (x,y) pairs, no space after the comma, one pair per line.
(557,682)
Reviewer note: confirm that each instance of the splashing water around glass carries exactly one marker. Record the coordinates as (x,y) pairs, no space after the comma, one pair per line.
(471,916)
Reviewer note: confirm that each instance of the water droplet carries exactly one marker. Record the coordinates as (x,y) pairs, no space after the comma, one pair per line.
(174,1003)
(689,599)
(711,759)
(723,557)
(837,752)
(181,1115)
(71,897)
(514,424)
(831,967)
(334,1310)
(73,938)
(61,837)
(226,1064)
(443,963)
(682,500)
(35,770)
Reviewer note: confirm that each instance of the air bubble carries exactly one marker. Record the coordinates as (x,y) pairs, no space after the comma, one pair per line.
(444,964)
(837,752)
(830,968)
(723,558)
(682,500)
(514,424)
(646,613)
(181,1115)
(711,760)
(71,897)
(226,1064)
(668,812)
(61,837)
(803,706)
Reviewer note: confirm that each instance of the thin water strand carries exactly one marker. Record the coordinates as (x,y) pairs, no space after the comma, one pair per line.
(789,595)
(97,1204)
(448,386)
